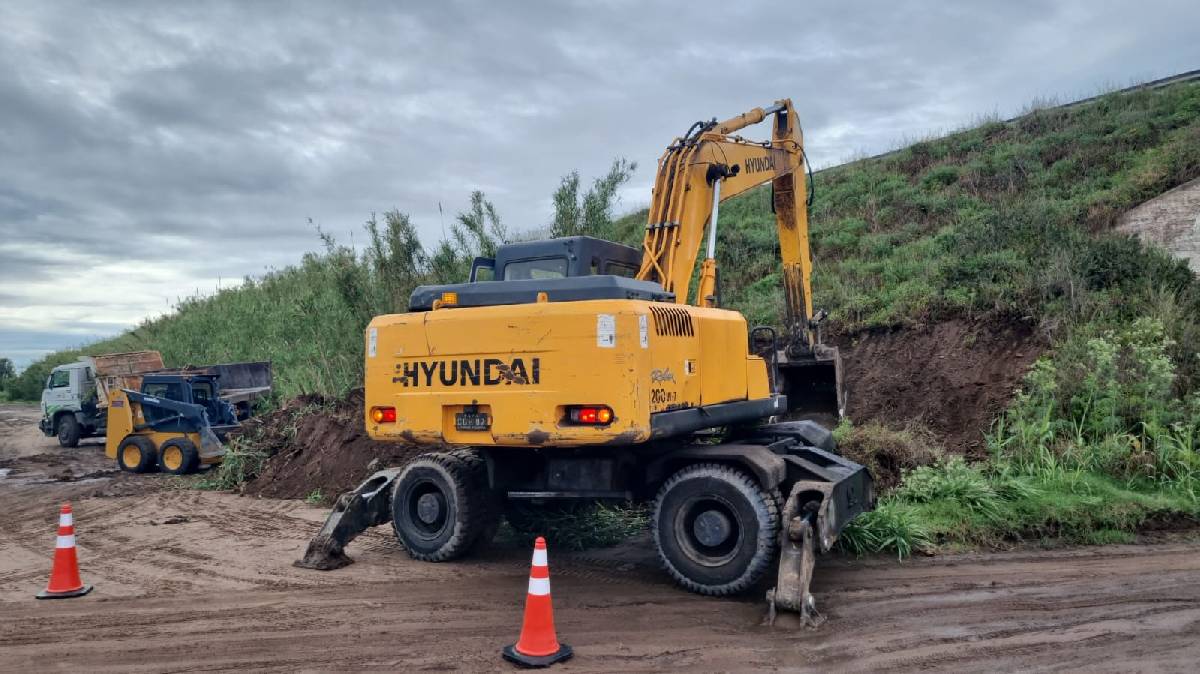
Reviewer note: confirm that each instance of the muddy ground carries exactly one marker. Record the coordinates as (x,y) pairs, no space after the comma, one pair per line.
(189,580)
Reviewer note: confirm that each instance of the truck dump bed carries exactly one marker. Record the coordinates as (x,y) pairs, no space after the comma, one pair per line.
(240,382)
(115,371)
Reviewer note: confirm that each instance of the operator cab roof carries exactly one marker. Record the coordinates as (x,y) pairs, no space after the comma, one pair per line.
(568,269)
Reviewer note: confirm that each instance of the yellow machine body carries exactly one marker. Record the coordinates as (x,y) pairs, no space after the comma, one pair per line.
(523,365)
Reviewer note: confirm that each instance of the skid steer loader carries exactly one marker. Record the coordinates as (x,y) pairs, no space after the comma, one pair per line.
(176,422)
(588,370)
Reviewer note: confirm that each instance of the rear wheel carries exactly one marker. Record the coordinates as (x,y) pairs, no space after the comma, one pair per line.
(68,431)
(438,508)
(491,505)
(136,454)
(716,528)
(178,456)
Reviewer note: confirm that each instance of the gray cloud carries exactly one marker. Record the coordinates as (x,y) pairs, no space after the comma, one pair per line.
(212,132)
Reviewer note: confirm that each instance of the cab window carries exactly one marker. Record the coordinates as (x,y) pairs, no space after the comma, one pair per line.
(620,269)
(536,269)
(59,379)
(170,391)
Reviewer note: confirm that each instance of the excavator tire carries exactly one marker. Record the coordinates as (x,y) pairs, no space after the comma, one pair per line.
(716,528)
(136,454)
(493,503)
(438,507)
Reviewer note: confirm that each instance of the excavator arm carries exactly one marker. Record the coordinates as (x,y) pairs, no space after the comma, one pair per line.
(708,165)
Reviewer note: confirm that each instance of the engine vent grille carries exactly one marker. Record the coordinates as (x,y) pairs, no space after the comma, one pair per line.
(672,321)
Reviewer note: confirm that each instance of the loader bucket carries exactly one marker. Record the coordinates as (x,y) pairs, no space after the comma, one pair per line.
(813,385)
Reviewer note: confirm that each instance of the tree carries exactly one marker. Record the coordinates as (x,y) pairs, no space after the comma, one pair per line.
(8,372)
(476,232)
(591,213)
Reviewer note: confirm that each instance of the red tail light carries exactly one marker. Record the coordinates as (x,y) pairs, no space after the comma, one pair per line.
(383,415)
(590,415)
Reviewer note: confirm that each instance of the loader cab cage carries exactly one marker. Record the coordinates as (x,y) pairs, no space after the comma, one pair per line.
(572,268)
(201,390)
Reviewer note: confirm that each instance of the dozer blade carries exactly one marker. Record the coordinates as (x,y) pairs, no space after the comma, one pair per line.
(355,511)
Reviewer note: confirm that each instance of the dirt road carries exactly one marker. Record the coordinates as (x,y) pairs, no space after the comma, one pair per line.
(189,580)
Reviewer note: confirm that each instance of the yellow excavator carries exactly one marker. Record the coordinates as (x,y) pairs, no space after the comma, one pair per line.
(588,370)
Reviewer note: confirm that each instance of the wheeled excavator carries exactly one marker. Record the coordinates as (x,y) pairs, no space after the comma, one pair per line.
(588,370)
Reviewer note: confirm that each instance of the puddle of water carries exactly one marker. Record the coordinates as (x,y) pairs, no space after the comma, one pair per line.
(4,472)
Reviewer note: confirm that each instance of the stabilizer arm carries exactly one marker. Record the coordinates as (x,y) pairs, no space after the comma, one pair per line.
(369,505)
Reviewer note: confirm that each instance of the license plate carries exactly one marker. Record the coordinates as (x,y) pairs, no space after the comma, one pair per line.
(472,421)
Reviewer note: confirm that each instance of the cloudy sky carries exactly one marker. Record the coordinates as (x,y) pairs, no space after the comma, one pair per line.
(152,150)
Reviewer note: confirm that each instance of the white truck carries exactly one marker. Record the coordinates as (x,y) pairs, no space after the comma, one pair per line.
(75,398)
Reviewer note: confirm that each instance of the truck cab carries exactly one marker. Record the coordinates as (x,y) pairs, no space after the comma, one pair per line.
(69,408)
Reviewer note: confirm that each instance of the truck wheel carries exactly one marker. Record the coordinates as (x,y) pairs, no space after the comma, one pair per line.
(716,528)
(68,431)
(136,454)
(178,456)
(437,507)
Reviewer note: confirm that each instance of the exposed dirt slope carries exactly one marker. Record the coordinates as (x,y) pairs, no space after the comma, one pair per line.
(954,377)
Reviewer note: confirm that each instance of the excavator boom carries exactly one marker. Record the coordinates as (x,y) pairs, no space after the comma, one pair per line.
(698,171)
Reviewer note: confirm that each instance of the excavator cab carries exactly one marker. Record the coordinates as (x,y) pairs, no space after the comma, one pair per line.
(564,257)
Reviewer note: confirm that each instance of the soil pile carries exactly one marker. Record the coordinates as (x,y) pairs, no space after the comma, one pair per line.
(952,377)
(319,444)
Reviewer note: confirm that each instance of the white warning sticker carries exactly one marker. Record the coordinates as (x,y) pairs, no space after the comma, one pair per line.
(644,331)
(372,341)
(606,331)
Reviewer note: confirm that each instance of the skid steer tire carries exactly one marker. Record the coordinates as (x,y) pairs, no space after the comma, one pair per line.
(716,529)
(438,509)
(136,454)
(68,431)
(178,456)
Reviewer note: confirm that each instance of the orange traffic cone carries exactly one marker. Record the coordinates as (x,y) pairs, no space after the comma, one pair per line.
(538,645)
(64,577)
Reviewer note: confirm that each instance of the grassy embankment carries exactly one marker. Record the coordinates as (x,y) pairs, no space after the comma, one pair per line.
(1006,220)
(1011,220)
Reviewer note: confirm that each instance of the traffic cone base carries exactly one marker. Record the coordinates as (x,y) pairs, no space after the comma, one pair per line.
(511,654)
(47,594)
(538,645)
(64,575)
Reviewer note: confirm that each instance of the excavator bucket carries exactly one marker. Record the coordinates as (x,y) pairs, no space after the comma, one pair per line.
(813,385)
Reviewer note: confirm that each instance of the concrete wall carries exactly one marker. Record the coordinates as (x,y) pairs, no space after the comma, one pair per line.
(1171,220)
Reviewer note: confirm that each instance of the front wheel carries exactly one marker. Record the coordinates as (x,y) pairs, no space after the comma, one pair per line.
(716,528)
(438,508)
(178,456)
(68,431)
(136,454)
